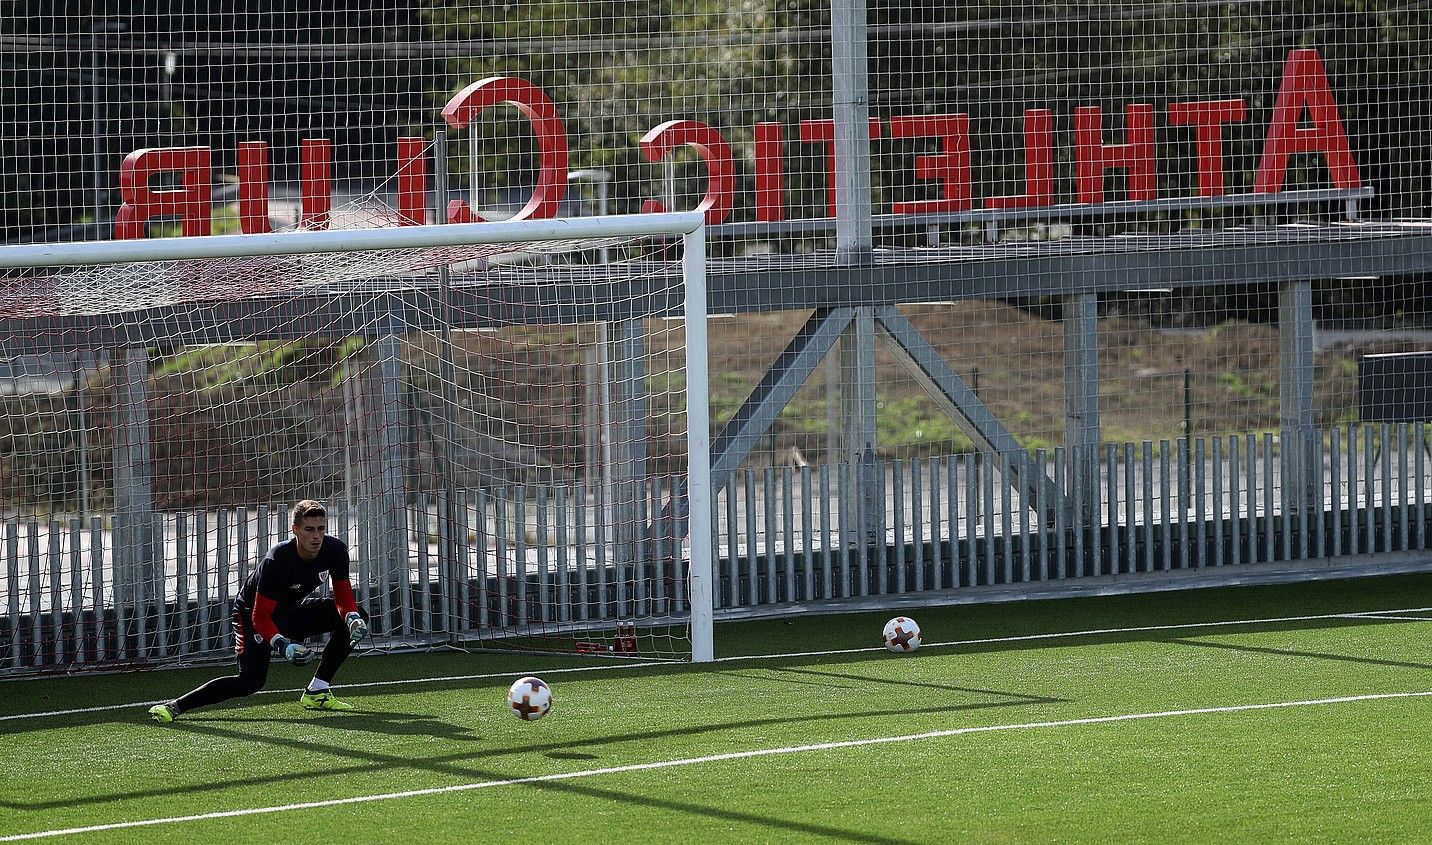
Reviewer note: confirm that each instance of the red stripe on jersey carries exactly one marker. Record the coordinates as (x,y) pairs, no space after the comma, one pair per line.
(263,616)
(343,597)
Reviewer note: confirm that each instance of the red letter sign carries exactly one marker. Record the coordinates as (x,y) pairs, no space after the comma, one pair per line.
(551,138)
(823,132)
(1305,82)
(714,151)
(193,202)
(412,181)
(770,172)
(1038,164)
(952,167)
(1092,157)
(315,177)
(1209,116)
(253,188)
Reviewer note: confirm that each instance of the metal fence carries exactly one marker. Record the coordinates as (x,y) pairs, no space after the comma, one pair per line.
(939,528)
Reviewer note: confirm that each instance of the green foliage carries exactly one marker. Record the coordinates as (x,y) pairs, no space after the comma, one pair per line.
(224,220)
(263,363)
(1247,386)
(917,426)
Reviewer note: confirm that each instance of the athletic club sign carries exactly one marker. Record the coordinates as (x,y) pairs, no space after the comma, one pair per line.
(1304,88)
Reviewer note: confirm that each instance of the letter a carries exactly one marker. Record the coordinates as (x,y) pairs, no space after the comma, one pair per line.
(1305,82)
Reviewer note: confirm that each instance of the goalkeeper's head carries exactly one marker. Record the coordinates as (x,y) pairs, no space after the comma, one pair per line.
(310,526)
(306,509)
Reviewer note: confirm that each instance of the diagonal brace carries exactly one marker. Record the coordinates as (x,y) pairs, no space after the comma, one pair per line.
(955,398)
(777,387)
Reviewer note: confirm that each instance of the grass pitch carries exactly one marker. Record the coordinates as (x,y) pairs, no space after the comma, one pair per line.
(1169,717)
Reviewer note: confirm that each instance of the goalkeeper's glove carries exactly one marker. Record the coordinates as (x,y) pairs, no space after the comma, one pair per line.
(296,653)
(357,627)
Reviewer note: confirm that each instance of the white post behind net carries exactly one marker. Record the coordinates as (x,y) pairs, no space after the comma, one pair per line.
(434,385)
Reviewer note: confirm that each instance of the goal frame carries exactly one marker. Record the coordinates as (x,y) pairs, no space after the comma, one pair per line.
(689,226)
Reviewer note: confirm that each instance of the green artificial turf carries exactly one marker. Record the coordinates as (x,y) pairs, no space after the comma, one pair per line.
(1316,772)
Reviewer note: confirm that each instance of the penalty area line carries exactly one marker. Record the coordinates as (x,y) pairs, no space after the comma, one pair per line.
(715,758)
(1376,615)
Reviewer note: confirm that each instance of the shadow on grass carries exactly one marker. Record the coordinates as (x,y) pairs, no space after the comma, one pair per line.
(905,682)
(450,764)
(380,722)
(1288,652)
(378,762)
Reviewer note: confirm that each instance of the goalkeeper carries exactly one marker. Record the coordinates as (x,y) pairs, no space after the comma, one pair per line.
(276,611)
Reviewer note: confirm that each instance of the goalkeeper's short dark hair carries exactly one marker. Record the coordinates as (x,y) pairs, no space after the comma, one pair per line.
(306,509)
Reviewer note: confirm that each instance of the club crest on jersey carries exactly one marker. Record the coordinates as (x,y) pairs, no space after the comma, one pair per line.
(259,638)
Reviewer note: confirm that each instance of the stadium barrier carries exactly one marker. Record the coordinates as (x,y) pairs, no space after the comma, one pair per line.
(950,530)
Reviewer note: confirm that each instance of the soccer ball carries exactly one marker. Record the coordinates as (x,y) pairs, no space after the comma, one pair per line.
(529,699)
(901,635)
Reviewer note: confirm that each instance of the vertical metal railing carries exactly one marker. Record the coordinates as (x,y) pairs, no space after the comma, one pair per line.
(533,555)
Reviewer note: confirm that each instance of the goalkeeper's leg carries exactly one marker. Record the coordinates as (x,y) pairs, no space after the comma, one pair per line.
(253,658)
(316,616)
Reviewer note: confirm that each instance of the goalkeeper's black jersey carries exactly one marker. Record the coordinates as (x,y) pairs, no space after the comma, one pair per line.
(287,578)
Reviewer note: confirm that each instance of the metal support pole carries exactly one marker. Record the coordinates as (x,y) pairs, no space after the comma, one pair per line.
(858,434)
(629,436)
(1295,392)
(598,377)
(854,246)
(832,406)
(133,479)
(1081,398)
(98,120)
(98,105)
(448,566)
(698,449)
(385,469)
(851,102)
(81,368)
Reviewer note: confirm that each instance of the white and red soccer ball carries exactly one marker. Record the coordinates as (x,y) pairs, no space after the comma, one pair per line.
(901,635)
(529,699)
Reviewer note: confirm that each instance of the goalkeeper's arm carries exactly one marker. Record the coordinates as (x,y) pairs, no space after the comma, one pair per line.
(296,653)
(348,607)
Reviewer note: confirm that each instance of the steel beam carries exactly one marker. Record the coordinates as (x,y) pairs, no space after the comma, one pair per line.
(777,387)
(850,102)
(1295,392)
(1081,397)
(930,369)
(750,285)
(862,505)
(133,477)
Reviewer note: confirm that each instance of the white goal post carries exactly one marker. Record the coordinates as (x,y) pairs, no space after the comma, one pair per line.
(442,245)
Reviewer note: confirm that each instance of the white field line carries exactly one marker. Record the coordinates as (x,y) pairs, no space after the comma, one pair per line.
(715,758)
(1363,614)
(1094,632)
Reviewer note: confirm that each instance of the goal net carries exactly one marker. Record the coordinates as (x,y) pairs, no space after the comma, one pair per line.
(507,422)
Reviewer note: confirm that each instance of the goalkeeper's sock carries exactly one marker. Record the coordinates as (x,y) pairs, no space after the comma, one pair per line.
(317,685)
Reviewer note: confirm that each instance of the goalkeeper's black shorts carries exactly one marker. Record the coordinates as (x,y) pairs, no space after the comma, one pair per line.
(311,617)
